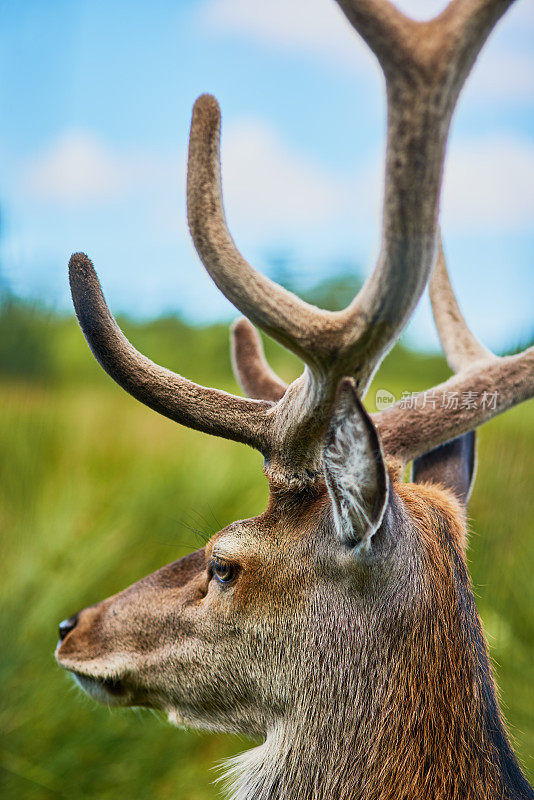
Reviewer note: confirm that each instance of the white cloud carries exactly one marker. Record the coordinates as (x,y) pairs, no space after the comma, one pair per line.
(489,184)
(312,26)
(502,74)
(272,187)
(268,184)
(77,168)
(318,28)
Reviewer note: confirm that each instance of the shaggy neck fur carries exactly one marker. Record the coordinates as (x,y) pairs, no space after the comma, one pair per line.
(411,715)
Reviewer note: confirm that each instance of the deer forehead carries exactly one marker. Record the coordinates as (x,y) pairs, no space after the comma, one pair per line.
(290,531)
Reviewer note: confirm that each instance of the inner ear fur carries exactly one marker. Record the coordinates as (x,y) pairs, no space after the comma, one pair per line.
(355,470)
(451,465)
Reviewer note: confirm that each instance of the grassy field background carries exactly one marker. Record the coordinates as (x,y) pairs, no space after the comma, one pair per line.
(97,491)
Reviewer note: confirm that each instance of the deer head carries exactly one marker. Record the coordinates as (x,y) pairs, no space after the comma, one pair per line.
(339,626)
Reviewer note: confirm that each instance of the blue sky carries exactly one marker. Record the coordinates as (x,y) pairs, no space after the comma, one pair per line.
(97,99)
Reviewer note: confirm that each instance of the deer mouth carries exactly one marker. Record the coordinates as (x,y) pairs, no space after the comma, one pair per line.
(109,691)
(111,685)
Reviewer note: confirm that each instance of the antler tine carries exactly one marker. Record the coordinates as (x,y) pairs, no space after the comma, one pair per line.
(208,410)
(467,24)
(484,386)
(425,65)
(457,34)
(469,399)
(281,314)
(250,367)
(460,346)
(383,27)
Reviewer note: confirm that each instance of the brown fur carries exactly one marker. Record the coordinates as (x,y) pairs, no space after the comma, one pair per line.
(392,654)
(431,747)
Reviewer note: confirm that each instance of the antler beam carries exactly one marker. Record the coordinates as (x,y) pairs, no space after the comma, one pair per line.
(281,314)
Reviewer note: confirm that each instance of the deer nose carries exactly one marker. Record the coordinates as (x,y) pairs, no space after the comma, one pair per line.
(67,626)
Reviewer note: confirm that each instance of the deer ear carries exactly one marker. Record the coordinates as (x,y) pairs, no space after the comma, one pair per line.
(451,465)
(354,468)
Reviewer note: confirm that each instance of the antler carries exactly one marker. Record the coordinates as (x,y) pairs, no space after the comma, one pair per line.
(425,65)
(208,410)
(351,341)
(461,348)
(250,367)
(484,386)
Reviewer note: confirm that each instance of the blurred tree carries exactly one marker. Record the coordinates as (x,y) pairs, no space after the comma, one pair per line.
(26,346)
(4,283)
(523,343)
(337,291)
(333,292)
(26,340)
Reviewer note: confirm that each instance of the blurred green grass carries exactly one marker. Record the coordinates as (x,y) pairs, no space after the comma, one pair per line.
(97,491)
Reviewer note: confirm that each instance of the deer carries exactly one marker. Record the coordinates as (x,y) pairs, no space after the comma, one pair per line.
(338,628)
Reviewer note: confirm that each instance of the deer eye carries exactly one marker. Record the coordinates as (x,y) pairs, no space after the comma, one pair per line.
(223,571)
